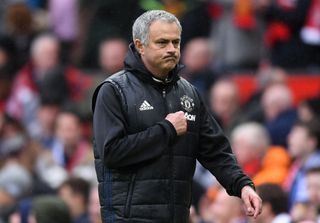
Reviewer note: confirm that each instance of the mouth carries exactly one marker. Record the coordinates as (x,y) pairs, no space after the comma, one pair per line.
(170,58)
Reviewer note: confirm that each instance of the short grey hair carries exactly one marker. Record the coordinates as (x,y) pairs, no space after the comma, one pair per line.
(254,132)
(44,38)
(140,28)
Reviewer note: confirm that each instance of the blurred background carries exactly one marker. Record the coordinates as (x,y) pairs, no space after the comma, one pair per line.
(255,62)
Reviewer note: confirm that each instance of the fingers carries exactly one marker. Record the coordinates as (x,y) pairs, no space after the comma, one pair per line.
(179,122)
(257,206)
(252,201)
(249,209)
(253,206)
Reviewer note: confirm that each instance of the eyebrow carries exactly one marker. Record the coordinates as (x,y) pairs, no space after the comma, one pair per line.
(163,39)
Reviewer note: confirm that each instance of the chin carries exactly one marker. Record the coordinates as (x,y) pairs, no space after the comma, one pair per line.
(170,67)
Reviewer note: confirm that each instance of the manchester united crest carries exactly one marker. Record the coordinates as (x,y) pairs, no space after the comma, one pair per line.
(187,103)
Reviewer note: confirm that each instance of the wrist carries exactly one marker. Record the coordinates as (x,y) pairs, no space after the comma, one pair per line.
(248,185)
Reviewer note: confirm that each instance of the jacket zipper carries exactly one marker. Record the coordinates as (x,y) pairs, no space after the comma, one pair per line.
(129,197)
(164,94)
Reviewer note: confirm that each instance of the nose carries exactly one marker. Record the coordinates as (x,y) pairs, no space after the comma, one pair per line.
(171,47)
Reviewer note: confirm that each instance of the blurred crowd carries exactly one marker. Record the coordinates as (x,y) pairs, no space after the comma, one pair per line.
(54,52)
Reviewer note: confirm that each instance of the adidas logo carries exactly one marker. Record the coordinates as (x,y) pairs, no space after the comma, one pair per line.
(145,106)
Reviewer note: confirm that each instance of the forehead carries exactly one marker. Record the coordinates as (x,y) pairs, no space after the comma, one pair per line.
(162,29)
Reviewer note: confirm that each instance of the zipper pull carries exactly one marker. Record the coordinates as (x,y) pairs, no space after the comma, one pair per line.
(163,92)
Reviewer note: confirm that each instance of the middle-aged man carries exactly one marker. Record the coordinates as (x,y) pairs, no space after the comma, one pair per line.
(150,126)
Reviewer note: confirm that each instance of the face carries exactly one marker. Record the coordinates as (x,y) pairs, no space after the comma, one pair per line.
(197,55)
(225,208)
(45,57)
(162,52)
(224,99)
(298,141)
(68,130)
(304,113)
(313,187)
(73,200)
(112,54)
(47,115)
(244,150)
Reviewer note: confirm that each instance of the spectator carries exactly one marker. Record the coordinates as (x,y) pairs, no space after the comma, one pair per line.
(197,56)
(25,97)
(274,204)
(266,76)
(263,162)
(112,52)
(313,186)
(49,209)
(70,155)
(224,103)
(309,110)
(226,209)
(107,20)
(284,21)
(111,55)
(46,117)
(76,151)
(19,27)
(238,43)
(303,142)
(75,192)
(303,212)
(15,178)
(279,113)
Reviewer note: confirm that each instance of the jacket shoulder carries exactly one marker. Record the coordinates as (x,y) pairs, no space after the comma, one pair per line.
(116,80)
(188,87)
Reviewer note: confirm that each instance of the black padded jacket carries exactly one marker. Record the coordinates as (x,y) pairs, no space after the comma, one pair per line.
(144,169)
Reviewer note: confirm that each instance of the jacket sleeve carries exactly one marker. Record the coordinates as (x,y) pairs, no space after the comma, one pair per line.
(113,144)
(215,154)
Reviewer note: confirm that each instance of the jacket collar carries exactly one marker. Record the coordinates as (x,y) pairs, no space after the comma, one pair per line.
(134,64)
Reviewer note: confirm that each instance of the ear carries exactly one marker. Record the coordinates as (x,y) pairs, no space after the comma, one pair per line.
(139,46)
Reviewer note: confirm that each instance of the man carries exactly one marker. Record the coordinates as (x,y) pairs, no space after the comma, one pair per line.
(226,209)
(38,77)
(112,52)
(49,209)
(303,144)
(150,126)
(275,204)
(313,188)
(313,185)
(75,192)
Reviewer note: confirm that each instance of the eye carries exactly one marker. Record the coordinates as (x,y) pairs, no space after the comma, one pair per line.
(162,43)
(176,43)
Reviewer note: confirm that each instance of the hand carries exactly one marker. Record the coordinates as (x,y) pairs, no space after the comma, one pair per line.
(252,201)
(178,120)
